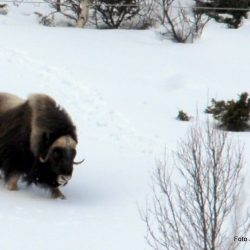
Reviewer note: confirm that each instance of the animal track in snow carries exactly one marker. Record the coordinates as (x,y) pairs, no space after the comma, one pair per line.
(79,98)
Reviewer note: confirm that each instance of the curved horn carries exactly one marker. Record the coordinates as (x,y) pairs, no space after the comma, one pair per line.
(78,162)
(43,160)
(64,141)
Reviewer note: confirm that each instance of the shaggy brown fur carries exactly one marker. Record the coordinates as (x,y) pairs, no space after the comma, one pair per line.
(37,142)
(9,101)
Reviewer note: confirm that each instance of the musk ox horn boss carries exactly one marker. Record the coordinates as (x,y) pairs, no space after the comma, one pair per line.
(37,142)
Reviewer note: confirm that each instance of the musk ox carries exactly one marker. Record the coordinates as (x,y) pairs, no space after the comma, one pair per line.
(37,142)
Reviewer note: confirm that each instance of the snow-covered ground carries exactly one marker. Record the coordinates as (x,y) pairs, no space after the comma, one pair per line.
(123,89)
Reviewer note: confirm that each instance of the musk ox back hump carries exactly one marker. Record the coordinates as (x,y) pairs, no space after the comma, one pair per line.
(9,101)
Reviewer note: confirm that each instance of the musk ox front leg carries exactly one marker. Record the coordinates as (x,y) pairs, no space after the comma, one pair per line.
(11,182)
(56,193)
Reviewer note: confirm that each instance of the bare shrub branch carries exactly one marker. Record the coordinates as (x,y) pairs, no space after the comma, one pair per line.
(182,24)
(195,211)
(75,10)
(113,13)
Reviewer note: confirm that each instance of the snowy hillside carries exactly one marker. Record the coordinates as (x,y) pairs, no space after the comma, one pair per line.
(123,90)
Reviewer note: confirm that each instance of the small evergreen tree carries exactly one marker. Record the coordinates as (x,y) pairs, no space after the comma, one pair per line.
(235,8)
(232,115)
(182,116)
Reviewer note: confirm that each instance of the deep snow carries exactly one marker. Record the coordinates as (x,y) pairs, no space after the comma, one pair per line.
(123,89)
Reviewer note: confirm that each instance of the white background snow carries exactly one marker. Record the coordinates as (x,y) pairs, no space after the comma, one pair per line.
(123,89)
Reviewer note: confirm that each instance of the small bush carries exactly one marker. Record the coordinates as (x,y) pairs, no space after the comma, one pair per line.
(48,20)
(114,13)
(182,116)
(232,115)
(231,12)
(194,210)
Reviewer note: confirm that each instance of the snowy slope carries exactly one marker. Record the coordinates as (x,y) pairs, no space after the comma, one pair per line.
(123,90)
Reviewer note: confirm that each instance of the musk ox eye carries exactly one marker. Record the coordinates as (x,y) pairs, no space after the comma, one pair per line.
(57,154)
(73,153)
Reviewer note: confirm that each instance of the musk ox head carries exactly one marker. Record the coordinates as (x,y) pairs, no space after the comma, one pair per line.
(60,158)
(53,139)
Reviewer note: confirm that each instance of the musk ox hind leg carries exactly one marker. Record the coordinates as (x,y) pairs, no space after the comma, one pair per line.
(11,182)
(56,193)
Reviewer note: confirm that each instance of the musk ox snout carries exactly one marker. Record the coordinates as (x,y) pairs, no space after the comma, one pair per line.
(62,180)
(65,169)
